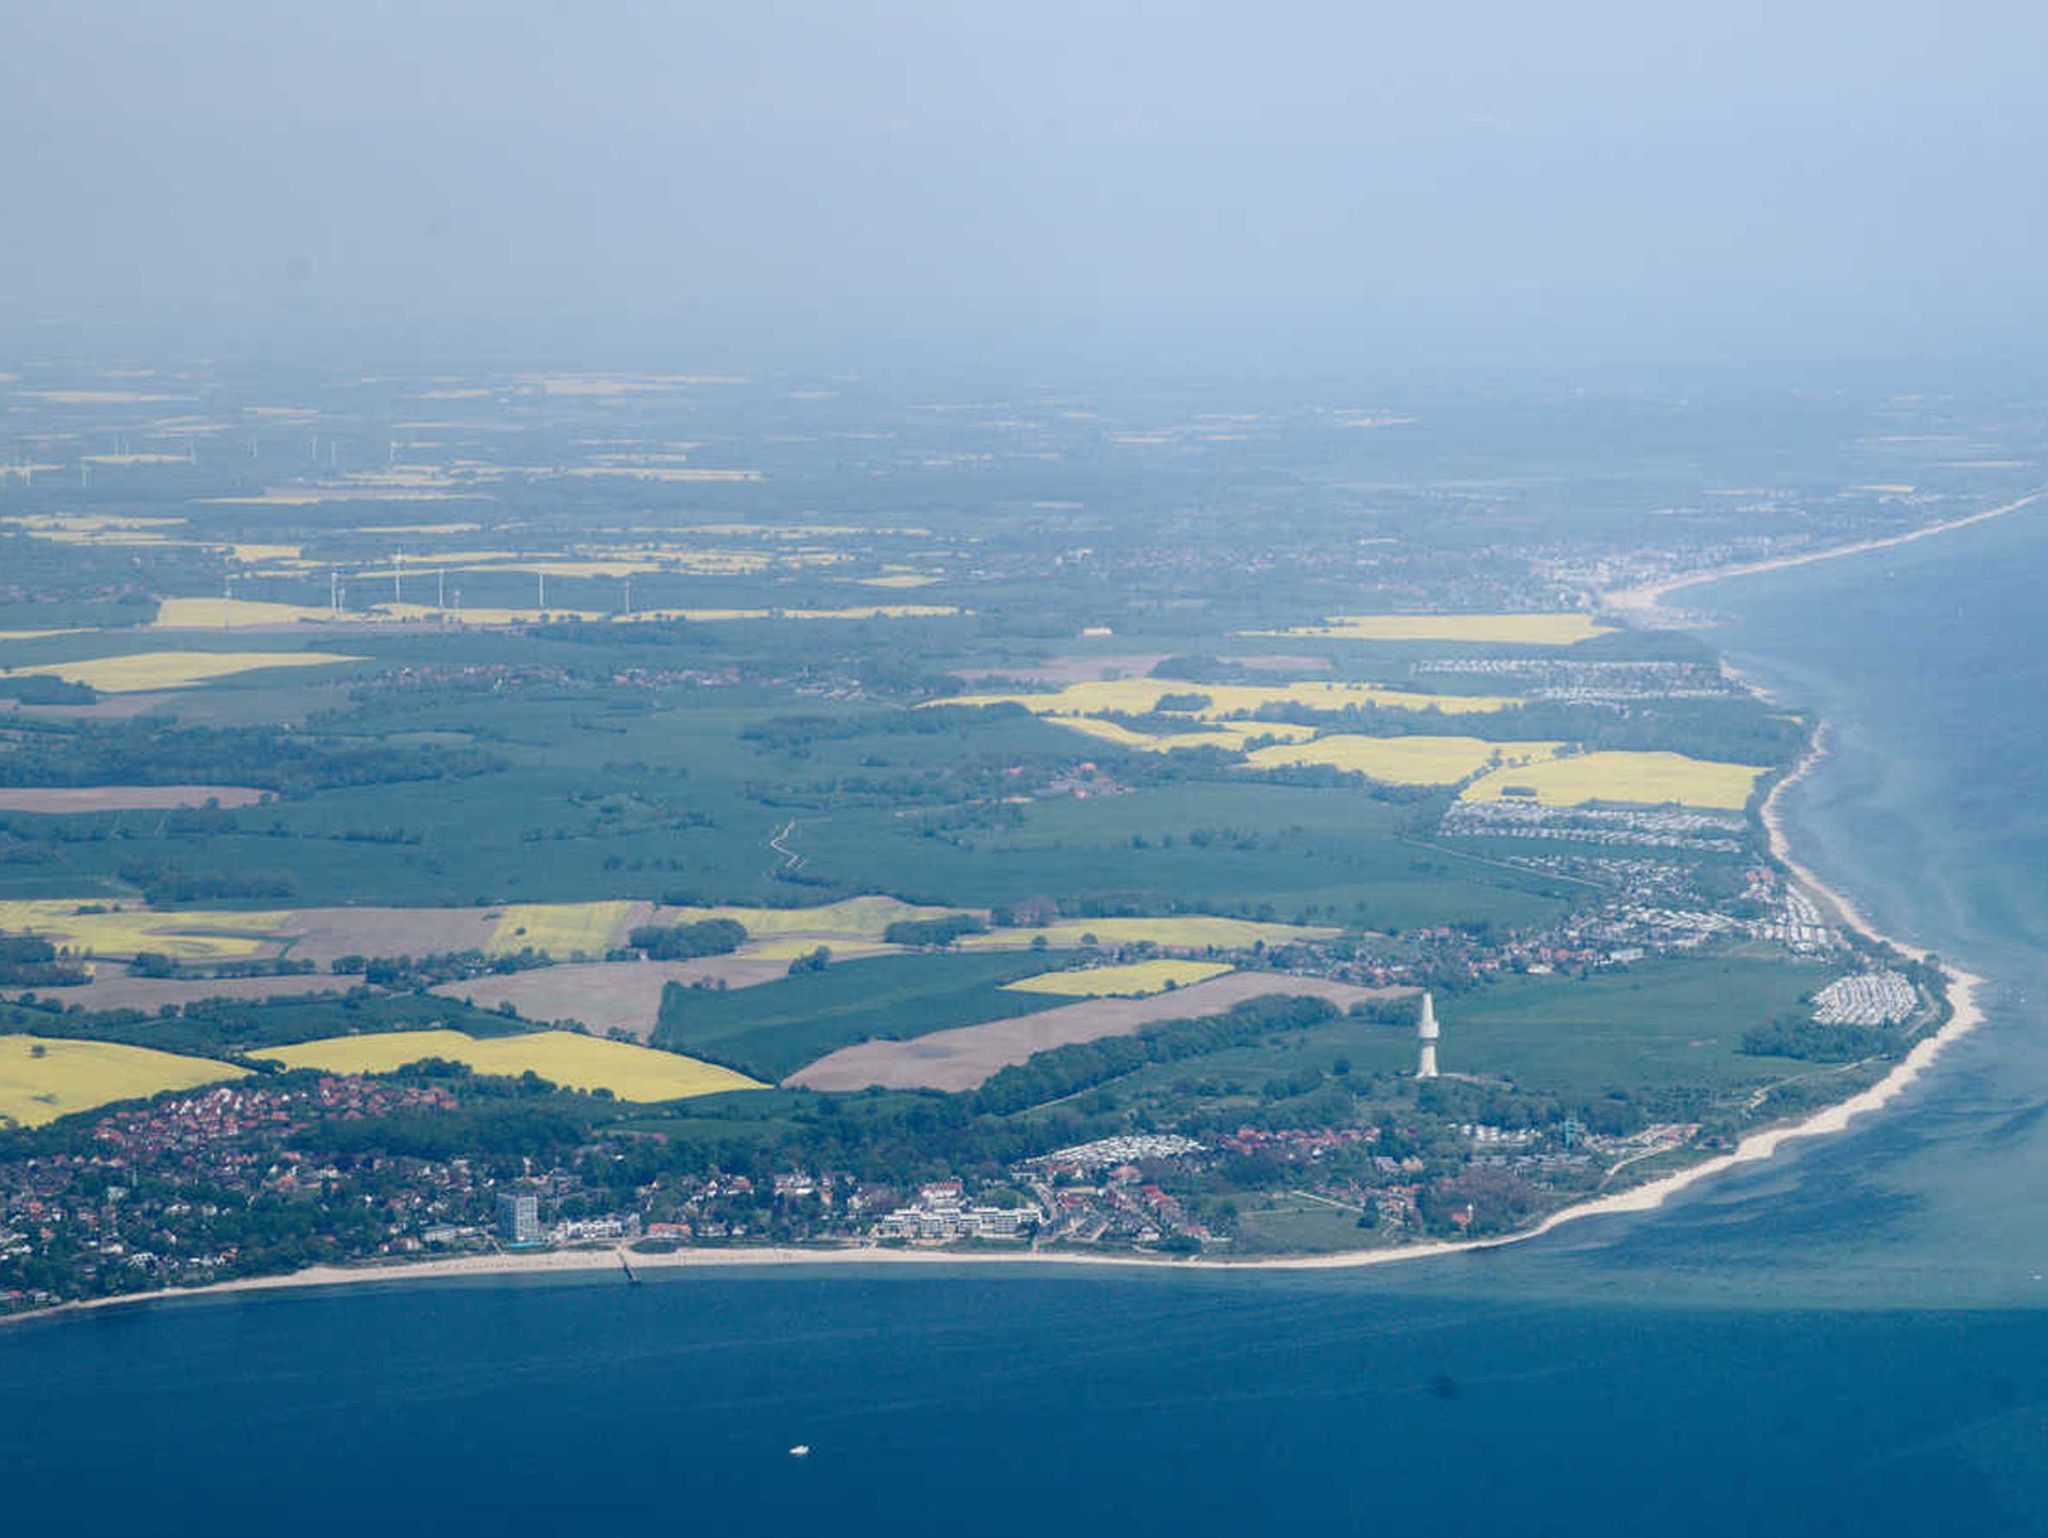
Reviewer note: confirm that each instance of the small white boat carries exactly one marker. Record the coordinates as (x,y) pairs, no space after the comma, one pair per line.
(801,1450)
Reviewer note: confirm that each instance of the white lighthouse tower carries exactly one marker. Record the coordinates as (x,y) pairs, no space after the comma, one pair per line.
(1426,1033)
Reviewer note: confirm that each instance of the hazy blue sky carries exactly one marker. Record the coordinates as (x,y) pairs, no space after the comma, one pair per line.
(1720,175)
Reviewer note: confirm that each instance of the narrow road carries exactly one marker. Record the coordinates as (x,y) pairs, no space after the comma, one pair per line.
(791,860)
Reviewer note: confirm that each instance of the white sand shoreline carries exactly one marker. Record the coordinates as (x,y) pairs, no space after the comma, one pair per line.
(1641,600)
(1966,1014)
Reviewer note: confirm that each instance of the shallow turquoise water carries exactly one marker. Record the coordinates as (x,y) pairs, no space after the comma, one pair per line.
(1847,1339)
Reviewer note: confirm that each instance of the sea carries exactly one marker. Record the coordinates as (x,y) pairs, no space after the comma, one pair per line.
(1849,1338)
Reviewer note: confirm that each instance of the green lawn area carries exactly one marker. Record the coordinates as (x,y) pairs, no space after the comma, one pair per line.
(1283,1221)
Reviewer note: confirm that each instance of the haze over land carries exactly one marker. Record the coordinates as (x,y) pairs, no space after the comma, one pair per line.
(923,765)
(1317,184)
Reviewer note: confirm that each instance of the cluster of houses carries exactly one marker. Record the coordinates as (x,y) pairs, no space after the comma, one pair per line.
(1705,832)
(1866,998)
(943,1215)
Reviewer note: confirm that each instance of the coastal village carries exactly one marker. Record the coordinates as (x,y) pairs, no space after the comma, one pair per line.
(242,1179)
(124,1210)
(1091,903)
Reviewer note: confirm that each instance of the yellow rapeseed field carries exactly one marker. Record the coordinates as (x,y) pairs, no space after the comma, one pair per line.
(188,936)
(226,613)
(44,1078)
(1130,981)
(1504,629)
(1231,736)
(140,671)
(1649,779)
(1188,932)
(561,929)
(1403,760)
(568,1058)
(1141,696)
(89,523)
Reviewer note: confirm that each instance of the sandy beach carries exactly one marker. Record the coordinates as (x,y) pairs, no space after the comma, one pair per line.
(1639,601)
(1754,1148)
(1966,1014)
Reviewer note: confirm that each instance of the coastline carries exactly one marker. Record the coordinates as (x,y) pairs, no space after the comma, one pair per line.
(1966,1014)
(1637,601)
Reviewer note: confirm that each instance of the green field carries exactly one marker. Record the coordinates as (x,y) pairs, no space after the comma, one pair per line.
(773,1030)
(1296,853)
(1276,1223)
(601,794)
(1658,1028)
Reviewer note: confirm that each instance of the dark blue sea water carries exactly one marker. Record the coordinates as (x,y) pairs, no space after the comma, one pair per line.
(1849,1339)
(985,1405)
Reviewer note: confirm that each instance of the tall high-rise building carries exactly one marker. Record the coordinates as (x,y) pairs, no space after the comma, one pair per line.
(519,1219)
(1426,1032)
